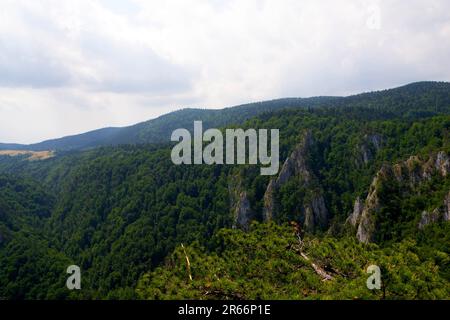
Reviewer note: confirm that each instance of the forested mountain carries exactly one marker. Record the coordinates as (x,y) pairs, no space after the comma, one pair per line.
(364,180)
(159,130)
(267,263)
(410,101)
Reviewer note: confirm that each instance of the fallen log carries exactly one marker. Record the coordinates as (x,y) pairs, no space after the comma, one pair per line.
(325,276)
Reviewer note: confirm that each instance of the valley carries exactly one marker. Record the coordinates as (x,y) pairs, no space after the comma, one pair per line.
(365,179)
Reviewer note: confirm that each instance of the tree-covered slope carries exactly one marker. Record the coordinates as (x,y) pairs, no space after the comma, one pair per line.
(29,267)
(117,212)
(269,262)
(416,100)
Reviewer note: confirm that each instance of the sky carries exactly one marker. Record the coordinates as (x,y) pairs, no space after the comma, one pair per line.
(68,66)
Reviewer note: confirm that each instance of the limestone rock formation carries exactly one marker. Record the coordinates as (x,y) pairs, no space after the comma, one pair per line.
(366,225)
(355,215)
(269,202)
(410,173)
(447,207)
(368,149)
(316,213)
(438,214)
(414,170)
(296,165)
(239,204)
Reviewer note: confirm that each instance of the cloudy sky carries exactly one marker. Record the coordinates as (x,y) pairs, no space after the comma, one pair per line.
(71,66)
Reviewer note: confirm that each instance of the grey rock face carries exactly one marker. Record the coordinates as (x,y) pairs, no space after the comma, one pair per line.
(368,149)
(442,163)
(358,208)
(376,140)
(437,164)
(319,212)
(243,212)
(411,172)
(269,205)
(315,211)
(366,154)
(366,226)
(438,214)
(447,207)
(240,204)
(429,217)
(296,164)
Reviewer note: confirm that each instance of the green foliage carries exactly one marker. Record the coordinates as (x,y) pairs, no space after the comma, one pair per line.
(265,263)
(119,211)
(29,269)
(414,101)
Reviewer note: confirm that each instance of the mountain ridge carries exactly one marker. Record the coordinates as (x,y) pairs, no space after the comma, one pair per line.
(119,211)
(158,130)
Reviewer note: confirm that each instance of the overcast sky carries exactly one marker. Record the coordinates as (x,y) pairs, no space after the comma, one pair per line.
(71,66)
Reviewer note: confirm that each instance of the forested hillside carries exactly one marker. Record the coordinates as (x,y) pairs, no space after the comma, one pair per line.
(366,179)
(416,100)
(267,263)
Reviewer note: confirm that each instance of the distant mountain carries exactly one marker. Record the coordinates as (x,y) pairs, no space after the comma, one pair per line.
(159,130)
(426,98)
(368,168)
(79,141)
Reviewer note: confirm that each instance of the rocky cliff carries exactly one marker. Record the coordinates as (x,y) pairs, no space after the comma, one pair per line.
(441,213)
(408,175)
(368,149)
(358,208)
(239,203)
(315,213)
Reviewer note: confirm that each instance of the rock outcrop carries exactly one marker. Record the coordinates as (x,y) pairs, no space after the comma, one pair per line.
(296,165)
(239,203)
(355,216)
(409,173)
(437,215)
(413,171)
(366,223)
(440,163)
(447,207)
(368,148)
(316,213)
(269,201)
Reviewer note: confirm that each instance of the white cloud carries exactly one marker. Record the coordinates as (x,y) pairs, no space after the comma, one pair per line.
(68,66)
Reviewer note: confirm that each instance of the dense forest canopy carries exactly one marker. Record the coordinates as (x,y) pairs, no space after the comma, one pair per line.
(416,100)
(121,212)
